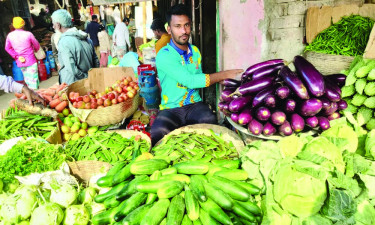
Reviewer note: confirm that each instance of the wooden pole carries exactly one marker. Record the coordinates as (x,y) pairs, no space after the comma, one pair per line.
(144,22)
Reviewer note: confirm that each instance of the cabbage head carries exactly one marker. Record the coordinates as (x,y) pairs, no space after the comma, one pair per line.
(76,215)
(64,195)
(47,214)
(299,193)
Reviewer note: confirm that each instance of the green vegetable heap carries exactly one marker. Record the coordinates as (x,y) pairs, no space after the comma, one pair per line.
(359,92)
(21,123)
(30,156)
(192,146)
(105,146)
(348,37)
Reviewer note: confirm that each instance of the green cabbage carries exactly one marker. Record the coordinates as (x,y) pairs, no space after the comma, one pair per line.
(47,214)
(76,215)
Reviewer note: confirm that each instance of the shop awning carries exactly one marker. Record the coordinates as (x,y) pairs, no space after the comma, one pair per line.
(109,2)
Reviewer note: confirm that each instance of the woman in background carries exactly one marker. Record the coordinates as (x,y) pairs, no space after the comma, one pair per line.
(104,46)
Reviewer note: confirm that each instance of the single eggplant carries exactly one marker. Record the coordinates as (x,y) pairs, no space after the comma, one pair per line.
(331,93)
(225,95)
(278,117)
(226,106)
(323,123)
(312,121)
(238,104)
(245,116)
(297,122)
(285,129)
(333,116)
(338,79)
(231,83)
(260,65)
(220,105)
(325,103)
(331,109)
(290,105)
(269,129)
(258,99)
(342,104)
(270,101)
(266,71)
(283,92)
(311,107)
(330,84)
(234,117)
(312,78)
(291,79)
(254,86)
(263,113)
(255,127)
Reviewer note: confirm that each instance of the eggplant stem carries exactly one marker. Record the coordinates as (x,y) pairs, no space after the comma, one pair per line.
(236,92)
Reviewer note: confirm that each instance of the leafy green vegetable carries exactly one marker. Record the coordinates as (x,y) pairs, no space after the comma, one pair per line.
(365,213)
(340,207)
(370,124)
(358,99)
(370,89)
(370,102)
(370,144)
(363,115)
(343,136)
(291,145)
(360,85)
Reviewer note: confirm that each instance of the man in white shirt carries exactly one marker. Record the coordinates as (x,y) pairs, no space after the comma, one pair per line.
(121,38)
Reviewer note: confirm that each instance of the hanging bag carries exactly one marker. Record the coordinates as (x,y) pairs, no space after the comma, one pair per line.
(40,54)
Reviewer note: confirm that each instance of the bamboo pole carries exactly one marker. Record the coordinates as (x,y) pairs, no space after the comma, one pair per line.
(143,4)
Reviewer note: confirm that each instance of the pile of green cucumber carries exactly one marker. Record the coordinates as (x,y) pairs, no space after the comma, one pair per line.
(152,191)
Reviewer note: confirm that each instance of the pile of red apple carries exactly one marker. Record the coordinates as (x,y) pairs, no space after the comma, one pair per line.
(121,91)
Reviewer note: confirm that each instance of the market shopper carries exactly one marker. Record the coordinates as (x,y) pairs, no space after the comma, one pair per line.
(160,33)
(92,30)
(7,84)
(180,73)
(120,37)
(76,51)
(105,46)
(21,45)
(54,41)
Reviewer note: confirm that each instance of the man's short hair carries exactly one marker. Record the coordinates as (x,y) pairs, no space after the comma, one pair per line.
(179,9)
(125,20)
(62,17)
(94,17)
(158,24)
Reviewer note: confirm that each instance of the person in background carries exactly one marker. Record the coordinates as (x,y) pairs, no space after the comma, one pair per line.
(7,84)
(92,30)
(54,41)
(21,45)
(76,51)
(180,73)
(121,38)
(109,20)
(105,46)
(160,33)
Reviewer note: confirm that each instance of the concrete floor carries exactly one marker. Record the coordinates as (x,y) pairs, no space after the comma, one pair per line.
(6,97)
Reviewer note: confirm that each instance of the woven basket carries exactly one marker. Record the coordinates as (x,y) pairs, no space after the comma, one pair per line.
(84,170)
(328,64)
(227,135)
(105,116)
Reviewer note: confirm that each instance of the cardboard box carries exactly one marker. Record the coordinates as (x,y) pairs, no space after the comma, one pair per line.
(319,18)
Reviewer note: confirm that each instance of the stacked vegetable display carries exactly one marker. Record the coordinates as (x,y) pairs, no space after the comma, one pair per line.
(359,92)
(150,192)
(271,98)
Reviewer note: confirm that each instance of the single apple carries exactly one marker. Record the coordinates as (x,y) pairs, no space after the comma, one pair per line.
(129,79)
(72,97)
(100,101)
(94,92)
(129,88)
(136,87)
(107,103)
(79,99)
(105,96)
(94,105)
(132,83)
(125,82)
(124,89)
(111,96)
(130,94)
(86,98)
(94,100)
(75,104)
(88,105)
(118,89)
(114,101)
(120,99)
(91,96)
(122,85)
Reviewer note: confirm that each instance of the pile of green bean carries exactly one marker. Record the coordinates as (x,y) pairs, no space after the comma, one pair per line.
(347,37)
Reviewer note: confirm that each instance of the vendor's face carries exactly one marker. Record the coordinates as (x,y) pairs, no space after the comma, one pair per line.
(180,28)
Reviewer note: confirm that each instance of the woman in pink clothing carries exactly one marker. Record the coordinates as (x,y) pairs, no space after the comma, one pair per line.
(21,45)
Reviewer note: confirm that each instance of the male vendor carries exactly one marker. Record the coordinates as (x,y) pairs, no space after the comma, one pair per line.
(180,73)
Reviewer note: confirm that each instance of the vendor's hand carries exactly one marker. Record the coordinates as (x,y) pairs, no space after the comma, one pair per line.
(32,95)
(233,73)
(21,59)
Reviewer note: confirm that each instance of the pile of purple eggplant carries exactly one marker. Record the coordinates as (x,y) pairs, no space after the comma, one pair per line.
(271,98)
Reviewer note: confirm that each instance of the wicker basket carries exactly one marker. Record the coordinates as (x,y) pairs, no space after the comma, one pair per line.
(329,64)
(204,129)
(84,170)
(105,116)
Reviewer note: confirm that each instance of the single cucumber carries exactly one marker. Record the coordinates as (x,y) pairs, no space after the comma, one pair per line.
(242,212)
(130,188)
(193,167)
(111,202)
(212,169)
(252,189)
(170,170)
(105,181)
(163,222)
(196,185)
(215,211)
(192,205)
(116,168)
(176,177)
(232,174)
(251,207)
(170,189)
(186,221)
(227,163)
(151,197)
(176,211)
(122,175)
(206,219)
(151,186)
(131,203)
(113,192)
(218,196)
(234,190)
(106,217)
(157,213)
(197,222)
(148,166)
(136,216)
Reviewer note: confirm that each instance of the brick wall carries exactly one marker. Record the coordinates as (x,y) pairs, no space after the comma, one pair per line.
(284,25)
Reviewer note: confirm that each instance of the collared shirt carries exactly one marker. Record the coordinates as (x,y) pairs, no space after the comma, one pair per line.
(180,74)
